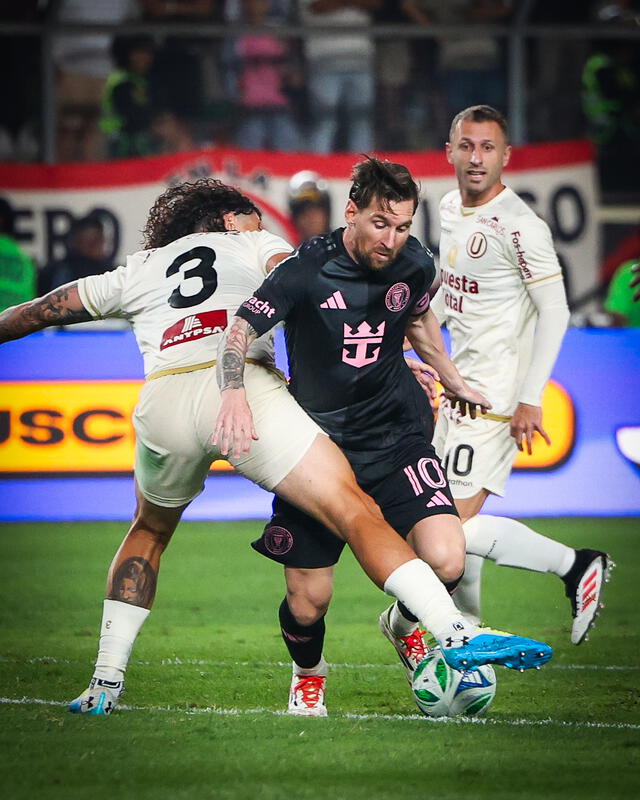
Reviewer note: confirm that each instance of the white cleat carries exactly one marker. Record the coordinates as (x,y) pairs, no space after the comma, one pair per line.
(306,696)
(584,586)
(412,648)
(99,699)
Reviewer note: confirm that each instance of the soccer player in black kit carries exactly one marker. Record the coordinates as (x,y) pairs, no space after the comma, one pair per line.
(348,299)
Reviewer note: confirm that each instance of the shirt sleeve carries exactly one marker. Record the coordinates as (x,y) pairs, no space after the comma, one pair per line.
(275,297)
(270,245)
(530,248)
(553,315)
(101,294)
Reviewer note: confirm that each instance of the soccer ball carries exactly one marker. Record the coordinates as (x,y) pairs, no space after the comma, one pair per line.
(441,691)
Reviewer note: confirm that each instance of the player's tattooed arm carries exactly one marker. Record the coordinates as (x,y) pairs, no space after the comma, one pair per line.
(134,581)
(230,371)
(234,429)
(62,306)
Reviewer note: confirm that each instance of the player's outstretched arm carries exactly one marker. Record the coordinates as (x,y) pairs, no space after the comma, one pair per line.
(424,334)
(234,430)
(62,306)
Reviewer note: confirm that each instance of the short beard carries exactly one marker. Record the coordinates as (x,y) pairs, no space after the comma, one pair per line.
(365,261)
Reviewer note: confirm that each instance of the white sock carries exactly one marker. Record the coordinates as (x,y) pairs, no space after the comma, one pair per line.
(416,585)
(321,668)
(399,624)
(121,623)
(512,544)
(467,593)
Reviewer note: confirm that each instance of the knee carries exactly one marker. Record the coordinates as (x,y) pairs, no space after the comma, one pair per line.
(308,607)
(447,560)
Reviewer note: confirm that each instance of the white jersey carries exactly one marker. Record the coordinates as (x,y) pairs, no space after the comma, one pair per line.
(180,298)
(489,256)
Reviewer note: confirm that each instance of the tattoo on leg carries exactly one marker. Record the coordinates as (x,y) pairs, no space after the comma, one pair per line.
(134,582)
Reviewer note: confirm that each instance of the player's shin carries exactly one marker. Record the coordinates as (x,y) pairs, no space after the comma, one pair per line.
(416,585)
(121,623)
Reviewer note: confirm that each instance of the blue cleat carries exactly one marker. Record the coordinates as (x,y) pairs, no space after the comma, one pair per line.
(487,646)
(99,699)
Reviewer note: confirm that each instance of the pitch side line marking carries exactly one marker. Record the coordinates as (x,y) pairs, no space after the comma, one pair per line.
(201,662)
(23,701)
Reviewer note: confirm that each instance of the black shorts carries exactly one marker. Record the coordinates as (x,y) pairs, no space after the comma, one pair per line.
(409,484)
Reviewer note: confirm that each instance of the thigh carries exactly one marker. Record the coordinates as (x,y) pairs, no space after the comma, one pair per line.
(296,539)
(477,454)
(170,462)
(285,431)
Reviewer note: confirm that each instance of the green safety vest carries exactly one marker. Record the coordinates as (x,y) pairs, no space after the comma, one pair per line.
(111,121)
(17,274)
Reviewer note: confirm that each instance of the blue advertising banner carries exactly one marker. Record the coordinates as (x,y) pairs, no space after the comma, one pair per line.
(66,442)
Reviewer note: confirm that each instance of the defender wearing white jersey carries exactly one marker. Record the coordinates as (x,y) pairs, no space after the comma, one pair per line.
(179,294)
(502,299)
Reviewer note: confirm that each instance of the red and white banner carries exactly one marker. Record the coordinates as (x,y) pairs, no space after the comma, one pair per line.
(558,180)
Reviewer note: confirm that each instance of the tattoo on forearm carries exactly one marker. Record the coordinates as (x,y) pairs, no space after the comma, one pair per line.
(56,308)
(134,582)
(231,367)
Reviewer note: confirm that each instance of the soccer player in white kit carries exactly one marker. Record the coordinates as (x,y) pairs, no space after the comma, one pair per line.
(503,301)
(205,253)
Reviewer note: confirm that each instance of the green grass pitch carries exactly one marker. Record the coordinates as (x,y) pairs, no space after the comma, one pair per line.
(209,679)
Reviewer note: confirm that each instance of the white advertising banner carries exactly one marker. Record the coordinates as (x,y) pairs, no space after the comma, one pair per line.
(558,180)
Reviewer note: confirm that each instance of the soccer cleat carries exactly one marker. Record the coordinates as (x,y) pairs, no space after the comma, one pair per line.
(584,585)
(412,649)
(99,699)
(306,696)
(468,650)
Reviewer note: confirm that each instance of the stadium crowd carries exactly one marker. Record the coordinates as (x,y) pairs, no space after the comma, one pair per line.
(155,85)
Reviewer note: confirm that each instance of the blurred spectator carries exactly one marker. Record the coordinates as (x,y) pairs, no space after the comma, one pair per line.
(86,255)
(620,301)
(178,71)
(340,68)
(83,64)
(309,205)
(127,105)
(635,282)
(17,272)
(554,109)
(20,71)
(611,103)
(172,135)
(393,70)
(265,73)
(471,67)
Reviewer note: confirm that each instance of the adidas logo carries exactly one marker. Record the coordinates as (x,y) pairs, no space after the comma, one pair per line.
(439,499)
(335,301)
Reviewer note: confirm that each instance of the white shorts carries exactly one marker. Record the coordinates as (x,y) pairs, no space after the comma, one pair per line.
(477,453)
(174,422)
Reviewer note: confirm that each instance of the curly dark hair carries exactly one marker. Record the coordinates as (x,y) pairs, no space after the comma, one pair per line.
(384,180)
(192,207)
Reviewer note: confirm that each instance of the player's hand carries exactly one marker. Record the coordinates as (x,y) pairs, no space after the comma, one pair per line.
(426,376)
(467,400)
(234,430)
(525,420)
(635,281)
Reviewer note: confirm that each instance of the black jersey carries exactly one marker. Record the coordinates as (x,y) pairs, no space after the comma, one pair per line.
(344,330)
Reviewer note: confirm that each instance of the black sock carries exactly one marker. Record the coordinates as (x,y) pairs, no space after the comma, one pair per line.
(304,642)
(405,612)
